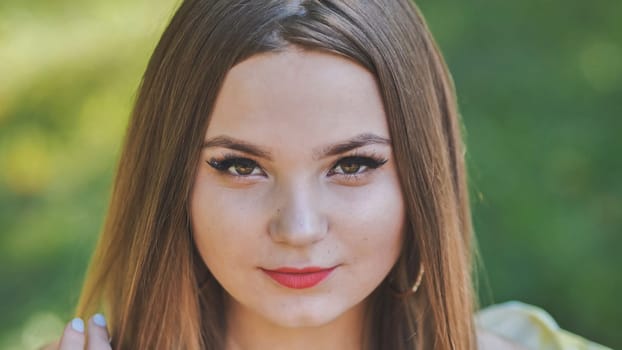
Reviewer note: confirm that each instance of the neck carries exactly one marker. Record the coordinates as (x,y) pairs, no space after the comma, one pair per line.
(247,330)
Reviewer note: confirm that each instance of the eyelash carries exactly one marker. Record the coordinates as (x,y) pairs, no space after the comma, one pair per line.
(366,162)
(227,161)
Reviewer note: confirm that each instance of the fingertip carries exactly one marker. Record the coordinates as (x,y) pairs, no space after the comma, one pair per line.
(73,336)
(99,320)
(77,324)
(98,339)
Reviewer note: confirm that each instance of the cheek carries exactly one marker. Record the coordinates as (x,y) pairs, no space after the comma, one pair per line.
(373,225)
(231,231)
(224,225)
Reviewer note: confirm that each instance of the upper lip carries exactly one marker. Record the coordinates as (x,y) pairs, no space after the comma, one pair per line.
(308,269)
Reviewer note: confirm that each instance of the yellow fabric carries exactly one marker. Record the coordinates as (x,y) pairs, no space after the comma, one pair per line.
(530,327)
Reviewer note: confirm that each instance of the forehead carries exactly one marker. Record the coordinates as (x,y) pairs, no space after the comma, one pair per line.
(298,97)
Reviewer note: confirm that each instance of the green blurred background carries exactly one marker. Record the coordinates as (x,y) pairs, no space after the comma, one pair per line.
(539,85)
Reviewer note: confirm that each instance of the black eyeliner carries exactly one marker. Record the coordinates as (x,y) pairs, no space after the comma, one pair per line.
(370,162)
(228,160)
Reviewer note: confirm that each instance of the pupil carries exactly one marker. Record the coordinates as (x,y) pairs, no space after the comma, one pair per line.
(244,169)
(350,168)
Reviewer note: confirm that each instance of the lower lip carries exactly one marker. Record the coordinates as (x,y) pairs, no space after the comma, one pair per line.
(299,280)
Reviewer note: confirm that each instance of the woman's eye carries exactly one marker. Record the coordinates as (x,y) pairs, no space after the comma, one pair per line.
(355,165)
(236,166)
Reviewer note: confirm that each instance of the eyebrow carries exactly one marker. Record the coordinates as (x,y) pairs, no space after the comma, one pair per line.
(237,145)
(350,144)
(326,151)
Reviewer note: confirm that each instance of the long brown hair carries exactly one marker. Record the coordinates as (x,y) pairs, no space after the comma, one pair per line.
(146,273)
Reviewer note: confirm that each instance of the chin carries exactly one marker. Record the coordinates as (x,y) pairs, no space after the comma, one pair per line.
(303,320)
(304,315)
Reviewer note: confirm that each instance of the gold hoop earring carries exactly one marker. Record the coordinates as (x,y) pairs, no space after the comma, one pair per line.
(415,285)
(418,280)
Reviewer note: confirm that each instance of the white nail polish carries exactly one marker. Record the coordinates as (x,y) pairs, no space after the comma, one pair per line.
(99,320)
(78,325)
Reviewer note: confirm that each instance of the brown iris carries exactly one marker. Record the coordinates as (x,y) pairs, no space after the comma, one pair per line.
(244,168)
(350,167)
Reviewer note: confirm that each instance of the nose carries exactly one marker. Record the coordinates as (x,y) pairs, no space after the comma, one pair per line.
(298,219)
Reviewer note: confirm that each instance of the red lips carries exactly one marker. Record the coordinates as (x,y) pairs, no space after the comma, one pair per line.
(295,278)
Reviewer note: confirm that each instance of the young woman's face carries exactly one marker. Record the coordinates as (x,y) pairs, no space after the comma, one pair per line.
(296,206)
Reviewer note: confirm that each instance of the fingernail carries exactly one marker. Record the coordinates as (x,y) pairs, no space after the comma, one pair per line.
(77,324)
(99,320)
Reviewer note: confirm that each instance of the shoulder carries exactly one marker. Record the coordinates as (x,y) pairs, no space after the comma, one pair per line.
(487,340)
(525,327)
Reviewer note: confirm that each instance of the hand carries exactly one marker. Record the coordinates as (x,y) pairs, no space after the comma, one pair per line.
(74,337)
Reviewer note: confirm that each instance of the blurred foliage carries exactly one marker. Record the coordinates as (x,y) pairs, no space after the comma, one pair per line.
(68,73)
(539,85)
